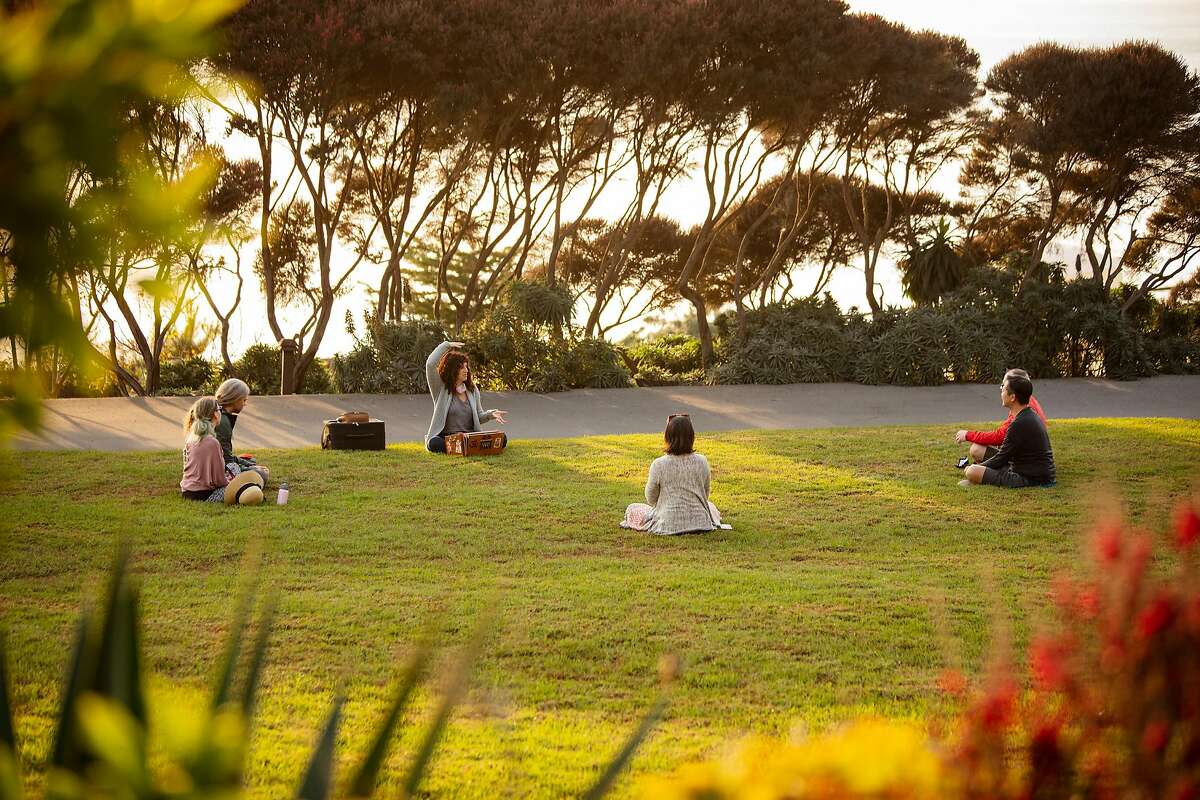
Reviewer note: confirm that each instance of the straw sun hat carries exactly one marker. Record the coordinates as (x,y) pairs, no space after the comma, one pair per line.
(245,489)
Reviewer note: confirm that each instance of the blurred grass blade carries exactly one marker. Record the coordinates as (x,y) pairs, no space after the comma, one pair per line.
(606,781)
(233,643)
(364,779)
(454,692)
(8,732)
(118,664)
(66,752)
(258,657)
(318,776)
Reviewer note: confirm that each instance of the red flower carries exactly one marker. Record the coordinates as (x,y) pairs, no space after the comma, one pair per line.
(1108,543)
(1156,616)
(1187,526)
(1087,602)
(996,710)
(1154,737)
(1047,661)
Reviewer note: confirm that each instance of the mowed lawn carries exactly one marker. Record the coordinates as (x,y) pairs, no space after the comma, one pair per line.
(856,571)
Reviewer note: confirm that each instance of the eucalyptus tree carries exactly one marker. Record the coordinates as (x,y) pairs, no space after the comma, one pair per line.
(1089,140)
(306,60)
(903,116)
(766,69)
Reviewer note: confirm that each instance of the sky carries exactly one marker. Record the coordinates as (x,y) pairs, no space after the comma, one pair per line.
(995,29)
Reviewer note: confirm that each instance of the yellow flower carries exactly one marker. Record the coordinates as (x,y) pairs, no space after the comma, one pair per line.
(870,758)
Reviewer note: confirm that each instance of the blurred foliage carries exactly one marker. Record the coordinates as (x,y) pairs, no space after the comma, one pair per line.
(389,358)
(70,70)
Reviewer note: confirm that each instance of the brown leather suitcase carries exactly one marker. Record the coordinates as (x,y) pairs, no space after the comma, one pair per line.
(479,443)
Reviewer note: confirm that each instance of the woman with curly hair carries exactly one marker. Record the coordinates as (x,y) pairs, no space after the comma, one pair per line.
(456,407)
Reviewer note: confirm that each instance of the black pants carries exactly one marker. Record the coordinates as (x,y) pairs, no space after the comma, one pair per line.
(1008,478)
(437,444)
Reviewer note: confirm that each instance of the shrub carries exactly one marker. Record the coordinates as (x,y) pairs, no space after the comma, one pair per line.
(389,359)
(186,376)
(594,363)
(806,341)
(669,360)
(261,367)
(512,350)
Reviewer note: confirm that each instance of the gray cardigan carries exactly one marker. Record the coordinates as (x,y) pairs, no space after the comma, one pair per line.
(678,489)
(441,396)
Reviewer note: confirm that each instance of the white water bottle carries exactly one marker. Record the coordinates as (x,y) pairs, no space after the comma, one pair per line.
(282,497)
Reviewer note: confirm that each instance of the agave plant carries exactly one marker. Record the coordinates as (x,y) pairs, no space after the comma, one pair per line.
(100,739)
(933,269)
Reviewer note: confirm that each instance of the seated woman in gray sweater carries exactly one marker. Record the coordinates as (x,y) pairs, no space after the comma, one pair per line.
(456,407)
(677,489)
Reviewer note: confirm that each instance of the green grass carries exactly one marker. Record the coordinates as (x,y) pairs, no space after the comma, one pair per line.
(855,570)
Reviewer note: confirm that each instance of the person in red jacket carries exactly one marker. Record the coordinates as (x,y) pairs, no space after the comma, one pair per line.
(984,444)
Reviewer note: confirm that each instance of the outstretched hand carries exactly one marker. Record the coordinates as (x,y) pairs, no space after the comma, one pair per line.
(457,344)
(498,415)
(960,437)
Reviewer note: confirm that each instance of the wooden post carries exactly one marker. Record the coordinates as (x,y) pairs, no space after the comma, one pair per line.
(287,377)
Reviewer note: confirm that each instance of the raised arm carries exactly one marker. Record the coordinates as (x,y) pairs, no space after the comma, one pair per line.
(431,364)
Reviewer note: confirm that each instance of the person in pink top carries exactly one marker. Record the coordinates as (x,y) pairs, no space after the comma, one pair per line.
(204,475)
(984,444)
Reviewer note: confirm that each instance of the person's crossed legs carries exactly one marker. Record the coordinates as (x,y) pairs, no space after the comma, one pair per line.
(977,474)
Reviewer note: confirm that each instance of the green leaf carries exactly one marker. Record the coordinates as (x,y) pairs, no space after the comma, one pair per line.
(318,776)
(116,737)
(258,657)
(118,665)
(364,779)
(606,781)
(454,692)
(8,733)
(10,775)
(67,751)
(233,644)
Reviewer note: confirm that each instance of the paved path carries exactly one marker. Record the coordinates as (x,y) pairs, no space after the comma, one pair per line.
(286,422)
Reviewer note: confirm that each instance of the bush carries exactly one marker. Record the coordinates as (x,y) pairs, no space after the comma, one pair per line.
(670,360)
(261,367)
(805,341)
(510,350)
(594,363)
(390,359)
(186,376)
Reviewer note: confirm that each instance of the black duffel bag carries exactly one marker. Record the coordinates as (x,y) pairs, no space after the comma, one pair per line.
(367,435)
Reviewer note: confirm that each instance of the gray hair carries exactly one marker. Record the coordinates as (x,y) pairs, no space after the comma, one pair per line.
(231,391)
(1018,372)
(198,423)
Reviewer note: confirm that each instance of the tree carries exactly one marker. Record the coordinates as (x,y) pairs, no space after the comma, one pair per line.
(904,115)
(305,59)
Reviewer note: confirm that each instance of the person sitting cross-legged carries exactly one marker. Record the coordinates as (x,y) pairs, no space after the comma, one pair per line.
(677,487)
(984,443)
(456,404)
(1024,458)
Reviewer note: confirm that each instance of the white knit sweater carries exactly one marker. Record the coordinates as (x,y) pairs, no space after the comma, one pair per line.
(678,491)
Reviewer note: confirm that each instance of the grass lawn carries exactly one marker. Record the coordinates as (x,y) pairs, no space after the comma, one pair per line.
(856,569)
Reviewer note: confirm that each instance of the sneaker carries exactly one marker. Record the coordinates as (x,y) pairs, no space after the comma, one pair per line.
(965,482)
